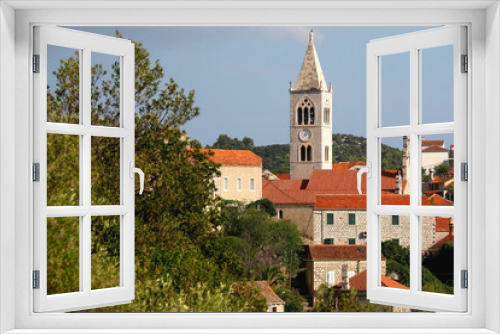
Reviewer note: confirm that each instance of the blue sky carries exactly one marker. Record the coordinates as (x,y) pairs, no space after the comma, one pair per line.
(241,76)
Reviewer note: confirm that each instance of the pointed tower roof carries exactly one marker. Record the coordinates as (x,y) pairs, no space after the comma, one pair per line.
(311,75)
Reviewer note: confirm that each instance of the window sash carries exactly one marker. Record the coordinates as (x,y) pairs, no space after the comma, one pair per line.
(86,297)
(352,219)
(413,42)
(329,218)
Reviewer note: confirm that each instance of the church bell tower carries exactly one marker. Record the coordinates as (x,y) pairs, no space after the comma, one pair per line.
(310,118)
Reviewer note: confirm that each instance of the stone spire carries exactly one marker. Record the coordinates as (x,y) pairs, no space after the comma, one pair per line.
(311,76)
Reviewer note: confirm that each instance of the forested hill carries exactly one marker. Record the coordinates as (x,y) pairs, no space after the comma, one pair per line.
(276,158)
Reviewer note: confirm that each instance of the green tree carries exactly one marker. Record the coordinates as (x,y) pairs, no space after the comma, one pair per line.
(293,300)
(183,260)
(441,170)
(265,205)
(333,300)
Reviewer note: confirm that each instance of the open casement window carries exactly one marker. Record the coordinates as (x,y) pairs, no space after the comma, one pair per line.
(400,66)
(84,168)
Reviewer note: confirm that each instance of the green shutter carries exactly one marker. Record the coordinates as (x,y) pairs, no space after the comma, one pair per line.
(396,241)
(329,219)
(352,241)
(352,219)
(395,220)
(328,241)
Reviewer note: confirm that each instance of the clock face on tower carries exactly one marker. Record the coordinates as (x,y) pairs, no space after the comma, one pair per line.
(305,135)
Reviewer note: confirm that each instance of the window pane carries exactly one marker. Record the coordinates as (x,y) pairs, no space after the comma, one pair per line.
(329,218)
(396,250)
(105,90)
(437,84)
(105,171)
(63,170)
(105,252)
(395,89)
(395,171)
(352,219)
(63,255)
(63,81)
(438,254)
(438,169)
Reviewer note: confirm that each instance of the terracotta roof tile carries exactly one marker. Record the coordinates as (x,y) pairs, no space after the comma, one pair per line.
(268,293)
(359,282)
(283,176)
(434,148)
(233,157)
(439,142)
(351,201)
(338,252)
(442,224)
(441,179)
(441,242)
(347,165)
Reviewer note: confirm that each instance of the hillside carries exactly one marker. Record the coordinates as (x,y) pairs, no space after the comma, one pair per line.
(276,157)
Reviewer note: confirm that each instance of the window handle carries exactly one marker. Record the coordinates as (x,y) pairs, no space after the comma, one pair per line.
(361,171)
(134,170)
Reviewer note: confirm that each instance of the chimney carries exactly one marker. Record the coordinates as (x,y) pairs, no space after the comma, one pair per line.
(399,184)
(452,226)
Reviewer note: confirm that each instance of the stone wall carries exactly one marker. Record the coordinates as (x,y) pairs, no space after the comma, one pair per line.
(341,231)
(300,215)
(317,271)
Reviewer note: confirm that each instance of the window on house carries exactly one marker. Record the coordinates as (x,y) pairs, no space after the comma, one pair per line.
(395,220)
(280,214)
(239,184)
(328,241)
(330,278)
(299,116)
(329,219)
(306,116)
(311,116)
(226,183)
(396,241)
(352,241)
(327,153)
(352,219)
(252,184)
(302,153)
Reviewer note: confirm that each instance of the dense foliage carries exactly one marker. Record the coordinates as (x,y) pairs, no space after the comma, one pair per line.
(276,158)
(398,263)
(333,300)
(183,261)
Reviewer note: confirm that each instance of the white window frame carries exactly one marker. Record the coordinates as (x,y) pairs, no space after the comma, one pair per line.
(412,44)
(251,185)
(239,184)
(483,19)
(225,183)
(86,297)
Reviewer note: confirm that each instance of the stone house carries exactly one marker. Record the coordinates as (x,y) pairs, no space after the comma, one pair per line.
(241,174)
(358,282)
(332,264)
(274,302)
(341,219)
(295,199)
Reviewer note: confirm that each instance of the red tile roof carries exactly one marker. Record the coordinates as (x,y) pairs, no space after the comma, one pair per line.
(441,179)
(359,282)
(233,157)
(338,252)
(438,200)
(350,201)
(283,176)
(434,148)
(268,293)
(287,192)
(441,242)
(439,142)
(347,165)
(451,171)
(442,224)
